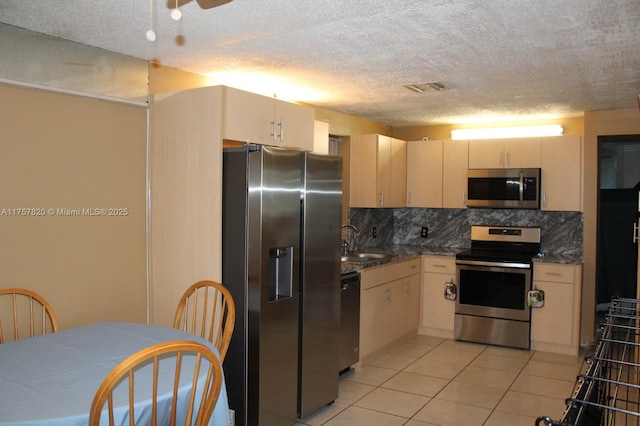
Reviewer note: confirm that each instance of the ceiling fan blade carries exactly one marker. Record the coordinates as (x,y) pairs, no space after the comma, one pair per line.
(171,4)
(210,4)
(204,4)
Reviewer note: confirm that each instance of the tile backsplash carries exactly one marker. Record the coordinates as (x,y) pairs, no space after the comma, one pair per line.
(561,232)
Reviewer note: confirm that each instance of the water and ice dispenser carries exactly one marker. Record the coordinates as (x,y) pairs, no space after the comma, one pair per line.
(280,273)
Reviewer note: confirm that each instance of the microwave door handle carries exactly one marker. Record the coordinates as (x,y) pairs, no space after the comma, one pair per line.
(521,187)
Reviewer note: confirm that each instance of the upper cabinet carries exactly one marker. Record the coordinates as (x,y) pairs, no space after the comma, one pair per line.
(504,153)
(437,173)
(424,173)
(378,171)
(268,121)
(561,173)
(455,161)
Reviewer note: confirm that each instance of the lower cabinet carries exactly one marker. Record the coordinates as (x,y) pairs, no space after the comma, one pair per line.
(437,313)
(389,305)
(555,327)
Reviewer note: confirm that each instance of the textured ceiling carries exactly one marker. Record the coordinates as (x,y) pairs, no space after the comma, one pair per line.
(500,59)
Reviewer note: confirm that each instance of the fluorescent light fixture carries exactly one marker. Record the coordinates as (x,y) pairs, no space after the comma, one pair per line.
(507,132)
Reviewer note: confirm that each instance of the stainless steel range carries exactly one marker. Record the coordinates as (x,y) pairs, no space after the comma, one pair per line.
(494,279)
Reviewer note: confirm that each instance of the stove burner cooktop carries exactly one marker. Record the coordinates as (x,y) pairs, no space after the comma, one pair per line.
(502,244)
(496,255)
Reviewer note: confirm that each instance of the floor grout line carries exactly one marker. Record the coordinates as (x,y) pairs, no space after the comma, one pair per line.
(443,344)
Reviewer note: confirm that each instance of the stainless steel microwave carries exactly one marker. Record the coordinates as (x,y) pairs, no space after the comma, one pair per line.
(503,188)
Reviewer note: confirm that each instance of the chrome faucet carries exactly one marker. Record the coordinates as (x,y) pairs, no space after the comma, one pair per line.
(345,243)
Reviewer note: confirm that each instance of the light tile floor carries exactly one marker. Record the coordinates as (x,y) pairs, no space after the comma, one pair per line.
(435,381)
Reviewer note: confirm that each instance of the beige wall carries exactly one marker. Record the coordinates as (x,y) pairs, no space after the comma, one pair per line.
(597,123)
(67,152)
(341,124)
(166,79)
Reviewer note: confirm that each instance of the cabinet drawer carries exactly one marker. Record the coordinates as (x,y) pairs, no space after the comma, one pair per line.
(372,277)
(553,273)
(439,264)
(412,266)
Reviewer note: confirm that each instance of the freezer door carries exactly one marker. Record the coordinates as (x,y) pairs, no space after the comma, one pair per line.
(320,292)
(261,251)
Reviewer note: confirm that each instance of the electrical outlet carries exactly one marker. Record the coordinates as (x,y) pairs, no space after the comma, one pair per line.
(374,232)
(424,233)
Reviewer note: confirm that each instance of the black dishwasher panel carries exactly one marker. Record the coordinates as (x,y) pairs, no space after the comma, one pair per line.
(349,320)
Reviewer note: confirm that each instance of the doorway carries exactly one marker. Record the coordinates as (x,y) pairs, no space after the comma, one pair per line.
(619,186)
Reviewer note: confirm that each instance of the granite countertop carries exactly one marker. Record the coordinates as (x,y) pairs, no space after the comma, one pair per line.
(402,252)
(558,258)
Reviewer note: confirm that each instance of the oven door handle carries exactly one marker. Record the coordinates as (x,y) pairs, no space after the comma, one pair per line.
(518,265)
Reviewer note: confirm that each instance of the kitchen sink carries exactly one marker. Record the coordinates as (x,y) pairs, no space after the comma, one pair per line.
(364,256)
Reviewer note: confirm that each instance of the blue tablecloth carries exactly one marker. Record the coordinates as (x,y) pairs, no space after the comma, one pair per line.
(52,379)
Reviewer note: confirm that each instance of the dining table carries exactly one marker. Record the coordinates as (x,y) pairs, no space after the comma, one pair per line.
(52,379)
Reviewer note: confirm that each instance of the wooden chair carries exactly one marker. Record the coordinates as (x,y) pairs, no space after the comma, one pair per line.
(198,411)
(207,309)
(30,314)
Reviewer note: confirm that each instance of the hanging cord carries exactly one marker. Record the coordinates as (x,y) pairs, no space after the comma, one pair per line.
(151,35)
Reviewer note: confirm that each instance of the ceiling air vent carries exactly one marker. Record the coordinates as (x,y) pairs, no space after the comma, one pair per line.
(432,86)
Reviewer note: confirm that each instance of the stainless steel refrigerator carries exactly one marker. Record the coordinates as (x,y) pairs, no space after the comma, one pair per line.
(281,261)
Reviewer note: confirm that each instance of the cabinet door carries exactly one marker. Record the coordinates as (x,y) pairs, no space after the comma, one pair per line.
(455,162)
(383,167)
(424,173)
(561,173)
(404,307)
(553,323)
(375,311)
(486,154)
(248,117)
(555,327)
(363,164)
(294,125)
(377,170)
(522,153)
(437,312)
(397,196)
(504,153)
(412,302)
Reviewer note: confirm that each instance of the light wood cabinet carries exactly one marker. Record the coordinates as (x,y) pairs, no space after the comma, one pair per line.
(555,327)
(424,173)
(436,312)
(561,173)
(378,171)
(389,305)
(504,153)
(185,184)
(455,162)
(262,120)
(437,173)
